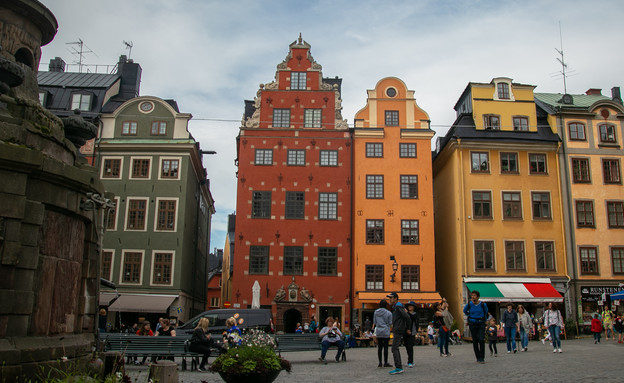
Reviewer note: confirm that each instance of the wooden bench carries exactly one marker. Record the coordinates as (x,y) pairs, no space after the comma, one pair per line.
(300,342)
(132,345)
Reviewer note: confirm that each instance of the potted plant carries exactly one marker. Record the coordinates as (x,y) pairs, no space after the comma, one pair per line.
(255,360)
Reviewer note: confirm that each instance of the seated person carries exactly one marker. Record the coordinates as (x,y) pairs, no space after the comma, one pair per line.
(232,336)
(331,335)
(299,329)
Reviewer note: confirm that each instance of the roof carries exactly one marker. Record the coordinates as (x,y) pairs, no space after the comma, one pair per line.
(77,80)
(550,101)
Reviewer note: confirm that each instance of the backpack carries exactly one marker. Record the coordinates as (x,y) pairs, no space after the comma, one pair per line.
(483,308)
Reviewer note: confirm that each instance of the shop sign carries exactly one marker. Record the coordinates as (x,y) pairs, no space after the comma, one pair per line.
(594,293)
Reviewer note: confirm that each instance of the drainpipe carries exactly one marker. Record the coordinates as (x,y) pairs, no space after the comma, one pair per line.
(351,252)
(463,223)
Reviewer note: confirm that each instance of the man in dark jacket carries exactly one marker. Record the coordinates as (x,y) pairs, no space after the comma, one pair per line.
(400,321)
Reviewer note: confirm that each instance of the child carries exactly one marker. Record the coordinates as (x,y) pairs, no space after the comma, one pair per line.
(299,329)
(618,324)
(492,332)
(430,332)
(232,336)
(596,328)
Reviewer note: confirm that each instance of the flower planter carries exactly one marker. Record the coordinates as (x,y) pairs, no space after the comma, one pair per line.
(251,378)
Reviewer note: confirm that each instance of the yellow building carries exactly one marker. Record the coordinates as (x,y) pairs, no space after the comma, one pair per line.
(393,234)
(591,129)
(498,221)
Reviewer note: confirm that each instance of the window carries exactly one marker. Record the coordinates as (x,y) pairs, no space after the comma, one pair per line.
(264,157)
(491,122)
(112,168)
(295,157)
(615,211)
(545,255)
(327,261)
(480,162)
(329,158)
(521,123)
(281,118)
(409,186)
(409,232)
(131,269)
(484,255)
(514,255)
(159,128)
(607,133)
(261,204)
(81,102)
(584,214)
(374,149)
(328,205)
(163,264)
(295,205)
(298,80)
(258,260)
(374,186)
(392,118)
(611,171)
(374,231)
(312,118)
(512,205)
(293,260)
(509,162)
(577,131)
(580,170)
(137,210)
(410,277)
(215,302)
(503,90)
(374,277)
(481,204)
(140,167)
(537,163)
(166,215)
(589,260)
(111,216)
(106,265)
(42,98)
(169,168)
(407,150)
(541,205)
(129,128)
(617,260)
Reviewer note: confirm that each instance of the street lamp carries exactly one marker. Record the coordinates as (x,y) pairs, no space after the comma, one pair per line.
(395,267)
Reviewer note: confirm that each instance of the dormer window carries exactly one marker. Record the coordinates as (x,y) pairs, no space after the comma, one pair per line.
(43,98)
(521,123)
(503,90)
(607,133)
(298,80)
(491,122)
(81,102)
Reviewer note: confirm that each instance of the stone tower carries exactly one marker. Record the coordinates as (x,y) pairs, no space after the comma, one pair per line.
(50,206)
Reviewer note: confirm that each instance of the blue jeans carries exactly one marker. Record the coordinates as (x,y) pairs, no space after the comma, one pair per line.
(443,341)
(524,337)
(325,345)
(510,335)
(554,331)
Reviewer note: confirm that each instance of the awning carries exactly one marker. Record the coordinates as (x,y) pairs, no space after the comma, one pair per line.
(515,291)
(418,297)
(618,295)
(143,303)
(105,298)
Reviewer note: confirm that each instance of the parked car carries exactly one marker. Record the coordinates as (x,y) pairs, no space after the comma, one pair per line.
(245,318)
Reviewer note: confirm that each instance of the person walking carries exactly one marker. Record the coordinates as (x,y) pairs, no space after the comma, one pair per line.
(596,328)
(313,326)
(382,321)
(510,322)
(525,323)
(618,325)
(400,319)
(446,326)
(412,329)
(476,312)
(553,322)
(492,332)
(607,321)
(438,322)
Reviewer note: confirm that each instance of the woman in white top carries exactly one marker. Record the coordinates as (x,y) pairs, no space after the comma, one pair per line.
(554,321)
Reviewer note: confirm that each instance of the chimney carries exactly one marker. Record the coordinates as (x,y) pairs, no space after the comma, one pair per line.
(130,77)
(594,92)
(56,65)
(615,95)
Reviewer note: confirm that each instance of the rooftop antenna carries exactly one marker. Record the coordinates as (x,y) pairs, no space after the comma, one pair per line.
(561,60)
(129,46)
(80,52)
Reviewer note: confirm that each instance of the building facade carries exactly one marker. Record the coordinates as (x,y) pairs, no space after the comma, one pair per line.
(293,202)
(393,232)
(591,130)
(498,217)
(157,241)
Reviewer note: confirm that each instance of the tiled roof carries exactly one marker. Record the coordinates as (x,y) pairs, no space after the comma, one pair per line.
(77,80)
(578,100)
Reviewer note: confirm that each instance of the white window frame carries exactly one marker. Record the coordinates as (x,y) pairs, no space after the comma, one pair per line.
(80,101)
(146,199)
(156,212)
(160,164)
(173,262)
(121,167)
(110,276)
(149,173)
(117,199)
(123,261)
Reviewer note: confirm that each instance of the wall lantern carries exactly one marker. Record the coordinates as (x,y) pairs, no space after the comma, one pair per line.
(395,267)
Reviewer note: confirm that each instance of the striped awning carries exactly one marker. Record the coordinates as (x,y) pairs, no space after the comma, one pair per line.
(515,292)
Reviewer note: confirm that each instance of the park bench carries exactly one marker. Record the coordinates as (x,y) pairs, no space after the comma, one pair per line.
(132,345)
(300,342)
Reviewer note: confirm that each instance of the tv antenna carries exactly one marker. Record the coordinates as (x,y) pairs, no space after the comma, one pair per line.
(129,46)
(561,60)
(80,52)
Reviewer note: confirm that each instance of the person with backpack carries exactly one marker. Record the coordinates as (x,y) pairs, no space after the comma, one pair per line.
(400,320)
(477,312)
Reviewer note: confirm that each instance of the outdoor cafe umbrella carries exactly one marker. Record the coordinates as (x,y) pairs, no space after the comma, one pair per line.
(618,295)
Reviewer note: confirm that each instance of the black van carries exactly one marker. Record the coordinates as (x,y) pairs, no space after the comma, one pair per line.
(245,318)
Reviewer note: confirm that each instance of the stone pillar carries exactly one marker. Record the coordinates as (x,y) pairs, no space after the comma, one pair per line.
(165,371)
(49,251)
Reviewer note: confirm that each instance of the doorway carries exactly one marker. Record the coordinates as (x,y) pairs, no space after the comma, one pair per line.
(291,318)
(330,311)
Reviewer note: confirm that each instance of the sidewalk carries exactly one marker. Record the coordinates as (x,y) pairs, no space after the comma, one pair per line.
(581,360)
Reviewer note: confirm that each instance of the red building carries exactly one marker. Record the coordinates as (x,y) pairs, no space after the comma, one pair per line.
(294,197)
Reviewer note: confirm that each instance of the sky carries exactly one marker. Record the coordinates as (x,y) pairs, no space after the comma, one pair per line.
(210,56)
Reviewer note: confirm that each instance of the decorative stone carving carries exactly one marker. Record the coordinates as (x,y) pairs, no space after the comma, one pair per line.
(326,86)
(11,74)
(305,295)
(271,86)
(280,294)
(77,130)
(293,292)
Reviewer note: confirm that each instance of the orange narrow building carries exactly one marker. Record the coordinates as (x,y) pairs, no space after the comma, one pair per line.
(393,233)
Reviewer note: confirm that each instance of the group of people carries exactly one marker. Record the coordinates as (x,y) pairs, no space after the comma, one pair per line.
(307,327)
(609,322)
